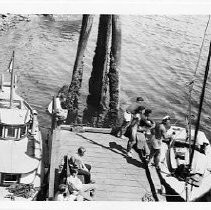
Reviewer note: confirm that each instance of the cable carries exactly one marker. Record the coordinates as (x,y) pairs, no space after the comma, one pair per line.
(200,51)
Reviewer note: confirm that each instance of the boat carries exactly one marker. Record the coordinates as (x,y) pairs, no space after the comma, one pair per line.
(185,166)
(21,165)
(174,167)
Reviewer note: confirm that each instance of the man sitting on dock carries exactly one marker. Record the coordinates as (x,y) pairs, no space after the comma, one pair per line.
(64,195)
(77,187)
(77,161)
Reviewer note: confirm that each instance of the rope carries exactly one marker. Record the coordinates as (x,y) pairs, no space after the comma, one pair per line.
(200,51)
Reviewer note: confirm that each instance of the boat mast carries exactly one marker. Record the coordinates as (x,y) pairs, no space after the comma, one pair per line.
(11,70)
(200,105)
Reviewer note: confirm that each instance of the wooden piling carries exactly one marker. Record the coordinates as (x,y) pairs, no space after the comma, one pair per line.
(98,82)
(74,88)
(113,75)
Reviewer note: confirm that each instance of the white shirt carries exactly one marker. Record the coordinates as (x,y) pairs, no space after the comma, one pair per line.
(75,182)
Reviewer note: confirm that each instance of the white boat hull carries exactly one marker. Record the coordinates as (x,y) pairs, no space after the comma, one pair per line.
(20,148)
(201,165)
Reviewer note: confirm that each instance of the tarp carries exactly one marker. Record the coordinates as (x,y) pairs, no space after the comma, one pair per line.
(14,116)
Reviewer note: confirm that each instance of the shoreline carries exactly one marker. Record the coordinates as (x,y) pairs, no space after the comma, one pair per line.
(8,21)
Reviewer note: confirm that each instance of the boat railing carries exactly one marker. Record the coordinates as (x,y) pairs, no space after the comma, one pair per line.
(4,83)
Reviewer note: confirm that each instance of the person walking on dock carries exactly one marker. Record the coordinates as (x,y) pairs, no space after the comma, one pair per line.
(128,116)
(131,131)
(77,161)
(145,125)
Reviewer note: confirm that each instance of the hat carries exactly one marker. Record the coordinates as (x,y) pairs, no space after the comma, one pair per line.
(140,108)
(167,117)
(148,111)
(139,99)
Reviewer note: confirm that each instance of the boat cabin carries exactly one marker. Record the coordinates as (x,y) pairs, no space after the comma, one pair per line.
(15,122)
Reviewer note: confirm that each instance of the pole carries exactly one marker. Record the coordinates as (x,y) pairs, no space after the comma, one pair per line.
(200,105)
(12,81)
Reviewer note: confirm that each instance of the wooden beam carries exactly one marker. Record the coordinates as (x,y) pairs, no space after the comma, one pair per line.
(52,153)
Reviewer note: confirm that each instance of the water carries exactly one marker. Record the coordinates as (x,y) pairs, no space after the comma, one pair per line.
(159,56)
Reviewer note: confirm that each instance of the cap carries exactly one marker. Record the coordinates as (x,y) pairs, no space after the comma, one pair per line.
(139,99)
(167,117)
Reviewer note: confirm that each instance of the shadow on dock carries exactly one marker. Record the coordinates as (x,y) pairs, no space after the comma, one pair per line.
(122,151)
(171,195)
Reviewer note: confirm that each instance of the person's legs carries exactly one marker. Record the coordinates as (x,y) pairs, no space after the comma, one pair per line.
(146,148)
(84,195)
(87,187)
(79,198)
(157,157)
(72,197)
(125,124)
(88,167)
(87,175)
(132,139)
(130,144)
(151,156)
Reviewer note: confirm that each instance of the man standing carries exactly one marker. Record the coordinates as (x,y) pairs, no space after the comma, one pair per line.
(131,132)
(128,115)
(159,133)
(145,125)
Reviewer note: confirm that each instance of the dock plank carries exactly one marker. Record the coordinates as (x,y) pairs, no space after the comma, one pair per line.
(117,177)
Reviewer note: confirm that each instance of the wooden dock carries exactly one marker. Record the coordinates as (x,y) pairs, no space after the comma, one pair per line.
(117,177)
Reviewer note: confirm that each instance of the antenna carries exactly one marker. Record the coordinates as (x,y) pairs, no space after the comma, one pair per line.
(11,70)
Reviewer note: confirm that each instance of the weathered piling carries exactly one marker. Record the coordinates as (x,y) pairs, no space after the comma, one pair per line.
(74,88)
(98,82)
(113,75)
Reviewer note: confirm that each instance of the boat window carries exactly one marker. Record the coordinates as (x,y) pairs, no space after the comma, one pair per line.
(23,130)
(10,178)
(1,130)
(11,132)
(6,104)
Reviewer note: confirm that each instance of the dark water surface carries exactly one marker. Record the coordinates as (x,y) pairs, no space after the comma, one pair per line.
(159,56)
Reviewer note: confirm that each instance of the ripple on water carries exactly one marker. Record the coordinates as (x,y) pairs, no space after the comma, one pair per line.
(159,55)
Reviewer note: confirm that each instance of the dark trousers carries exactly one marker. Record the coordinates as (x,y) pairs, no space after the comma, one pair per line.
(123,128)
(132,137)
(87,174)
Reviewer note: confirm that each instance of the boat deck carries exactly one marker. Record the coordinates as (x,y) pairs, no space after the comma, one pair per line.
(118,178)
